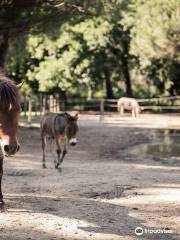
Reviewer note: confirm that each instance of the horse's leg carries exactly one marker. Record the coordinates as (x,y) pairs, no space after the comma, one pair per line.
(121,110)
(137,111)
(118,108)
(43,139)
(58,153)
(133,111)
(1,174)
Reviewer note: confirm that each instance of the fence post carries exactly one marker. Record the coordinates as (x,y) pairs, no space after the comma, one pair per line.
(101,109)
(44,104)
(40,104)
(54,104)
(25,106)
(62,105)
(51,103)
(29,112)
(57,104)
(36,109)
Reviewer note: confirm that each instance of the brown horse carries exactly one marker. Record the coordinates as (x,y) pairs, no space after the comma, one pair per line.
(9,115)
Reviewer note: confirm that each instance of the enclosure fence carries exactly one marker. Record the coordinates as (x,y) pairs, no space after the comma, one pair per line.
(34,106)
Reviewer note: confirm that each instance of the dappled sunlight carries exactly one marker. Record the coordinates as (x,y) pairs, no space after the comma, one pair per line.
(20,155)
(167,185)
(144,121)
(55,217)
(67,217)
(24,161)
(149,196)
(96,192)
(115,120)
(154,167)
(46,224)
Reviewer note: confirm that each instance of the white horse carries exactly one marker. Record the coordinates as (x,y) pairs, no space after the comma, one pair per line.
(128,104)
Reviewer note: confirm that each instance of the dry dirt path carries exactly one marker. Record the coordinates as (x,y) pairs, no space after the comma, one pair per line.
(99,194)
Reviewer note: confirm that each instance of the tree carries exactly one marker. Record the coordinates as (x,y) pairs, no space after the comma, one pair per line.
(20,16)
(69,60)
(155,41)
(116,13)
(103,54)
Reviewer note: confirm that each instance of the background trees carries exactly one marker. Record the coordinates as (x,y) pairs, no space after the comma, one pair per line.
(95,48)
(156,42)
(34,16)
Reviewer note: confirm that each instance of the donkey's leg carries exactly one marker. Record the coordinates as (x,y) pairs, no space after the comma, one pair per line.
(64,143)
(58,153)
(62,146)
(1,174)
(63,154)
(43,139)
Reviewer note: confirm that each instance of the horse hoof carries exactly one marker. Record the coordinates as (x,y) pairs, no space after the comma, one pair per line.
(56,166)
(44,166)
(2,204)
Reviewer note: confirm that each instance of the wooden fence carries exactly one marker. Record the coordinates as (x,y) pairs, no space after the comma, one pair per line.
(36,105)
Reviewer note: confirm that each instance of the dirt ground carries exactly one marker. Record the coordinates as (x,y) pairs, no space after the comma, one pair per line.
(99,193)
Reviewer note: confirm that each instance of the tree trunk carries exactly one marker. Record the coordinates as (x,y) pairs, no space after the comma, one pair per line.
(62,99)
(127,77)
(4,44)
(109,90)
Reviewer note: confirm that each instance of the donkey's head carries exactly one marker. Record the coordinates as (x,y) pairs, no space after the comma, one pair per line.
(72,128)
(9,116)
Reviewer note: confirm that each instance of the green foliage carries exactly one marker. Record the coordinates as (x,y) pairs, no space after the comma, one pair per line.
(65,61)
(155,41)
(94,53)
(156,31)
(35,16)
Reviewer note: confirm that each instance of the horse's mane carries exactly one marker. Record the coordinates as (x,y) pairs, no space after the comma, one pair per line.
(8,92)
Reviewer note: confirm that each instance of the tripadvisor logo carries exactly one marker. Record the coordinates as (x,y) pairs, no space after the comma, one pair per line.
(139,231)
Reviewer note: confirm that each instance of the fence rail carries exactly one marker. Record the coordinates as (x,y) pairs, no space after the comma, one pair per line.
(36,105)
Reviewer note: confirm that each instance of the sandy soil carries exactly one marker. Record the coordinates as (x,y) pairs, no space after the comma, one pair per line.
(99,194)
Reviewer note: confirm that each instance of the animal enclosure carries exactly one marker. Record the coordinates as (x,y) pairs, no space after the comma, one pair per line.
(89,148)
(34,106)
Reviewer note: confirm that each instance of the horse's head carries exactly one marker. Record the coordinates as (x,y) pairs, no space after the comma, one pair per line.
(9,116)
(72,128)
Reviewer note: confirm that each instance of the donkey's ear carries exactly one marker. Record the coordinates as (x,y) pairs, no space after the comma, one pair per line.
(19,86)
(76,116)
(67,115)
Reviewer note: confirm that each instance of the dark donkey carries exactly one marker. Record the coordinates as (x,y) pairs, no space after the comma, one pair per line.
(9,115)
(62,127)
